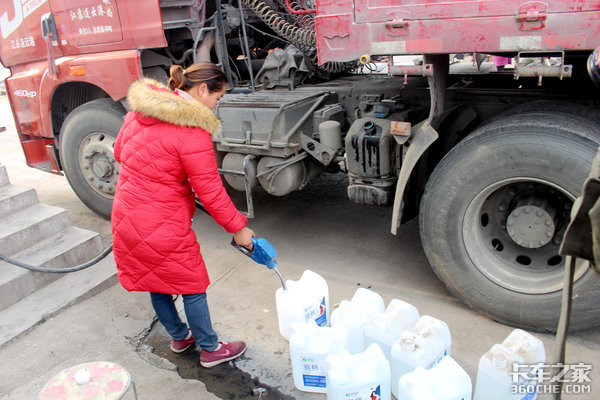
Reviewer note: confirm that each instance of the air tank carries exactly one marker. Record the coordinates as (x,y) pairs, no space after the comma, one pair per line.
(235,162)
(280,176)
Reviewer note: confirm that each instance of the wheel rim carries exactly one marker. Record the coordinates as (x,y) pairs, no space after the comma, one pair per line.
(98,164)
(512,232)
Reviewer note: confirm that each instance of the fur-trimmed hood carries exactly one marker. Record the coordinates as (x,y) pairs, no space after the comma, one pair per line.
(153,99)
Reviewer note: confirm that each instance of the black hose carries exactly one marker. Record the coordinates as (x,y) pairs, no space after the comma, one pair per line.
(57,270)
(76,268)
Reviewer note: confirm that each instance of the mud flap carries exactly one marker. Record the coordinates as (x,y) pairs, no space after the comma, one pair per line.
(423,136)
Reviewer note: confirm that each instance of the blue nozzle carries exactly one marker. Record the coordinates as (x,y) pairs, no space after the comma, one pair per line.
(263,253)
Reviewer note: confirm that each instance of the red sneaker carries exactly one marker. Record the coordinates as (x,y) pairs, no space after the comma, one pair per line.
(179,346)
(227,352)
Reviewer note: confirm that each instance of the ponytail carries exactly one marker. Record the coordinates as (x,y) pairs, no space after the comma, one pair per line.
(196,74)
(177,77)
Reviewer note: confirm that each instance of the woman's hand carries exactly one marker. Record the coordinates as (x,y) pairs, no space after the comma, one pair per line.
(243,237)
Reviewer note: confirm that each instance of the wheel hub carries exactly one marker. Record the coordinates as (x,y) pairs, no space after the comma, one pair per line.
(530,226)
(512,230)
(101,165)
(98,164)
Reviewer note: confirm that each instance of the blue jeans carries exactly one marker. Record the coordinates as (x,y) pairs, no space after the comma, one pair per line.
(198,317)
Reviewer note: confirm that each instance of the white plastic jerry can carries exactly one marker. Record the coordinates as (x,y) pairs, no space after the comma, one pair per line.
(304,300)
(309,347)
(384,329)
(508,370)
(444,381)
(368,301)
(424,347)
(353,315)
(362,376)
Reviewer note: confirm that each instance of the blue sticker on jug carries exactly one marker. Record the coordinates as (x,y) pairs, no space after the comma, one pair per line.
(321,320)
(313,371)
(372,393)
(317,312)
(314,380)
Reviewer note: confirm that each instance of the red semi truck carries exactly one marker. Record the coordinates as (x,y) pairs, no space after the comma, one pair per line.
(489,156)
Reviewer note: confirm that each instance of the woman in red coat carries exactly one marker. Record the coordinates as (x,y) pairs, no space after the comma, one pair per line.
(167,158)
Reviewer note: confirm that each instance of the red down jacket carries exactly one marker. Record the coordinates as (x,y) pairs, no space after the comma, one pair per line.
(166,155)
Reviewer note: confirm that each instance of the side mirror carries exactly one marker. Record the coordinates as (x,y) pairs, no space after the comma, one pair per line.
(50,33)
(49,27)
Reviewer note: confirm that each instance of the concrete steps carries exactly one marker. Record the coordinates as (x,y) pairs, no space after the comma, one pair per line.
(42,235)
(24,228)
(71,246)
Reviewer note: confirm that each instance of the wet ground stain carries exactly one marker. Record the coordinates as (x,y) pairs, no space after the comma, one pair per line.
(225,381)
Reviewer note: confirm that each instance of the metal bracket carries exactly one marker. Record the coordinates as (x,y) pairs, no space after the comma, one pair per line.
(398,23)
(397,27)
(532,16)
(542,70)
(322,153)
(249,202)
(437,83)
(403,70)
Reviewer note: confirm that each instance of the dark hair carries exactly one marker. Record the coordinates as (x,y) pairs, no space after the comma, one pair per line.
(196,74)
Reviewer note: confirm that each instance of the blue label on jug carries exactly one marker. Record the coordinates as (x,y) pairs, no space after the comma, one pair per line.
(365,393)
(314,380)
(321,320)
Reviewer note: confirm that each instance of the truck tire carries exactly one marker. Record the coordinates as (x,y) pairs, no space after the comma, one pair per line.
(495,210)
(86,143)
(582,111)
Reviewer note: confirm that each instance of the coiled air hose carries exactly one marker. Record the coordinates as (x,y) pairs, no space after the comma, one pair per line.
(304,39)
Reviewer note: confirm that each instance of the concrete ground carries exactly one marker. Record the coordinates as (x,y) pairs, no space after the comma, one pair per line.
(317,229)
